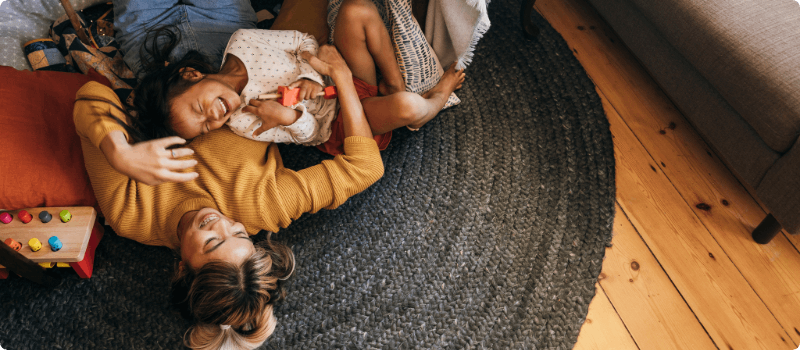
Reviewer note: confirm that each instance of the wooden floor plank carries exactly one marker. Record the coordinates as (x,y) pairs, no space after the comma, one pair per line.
(651,307)
(603,328)
(723,205)
(728,308)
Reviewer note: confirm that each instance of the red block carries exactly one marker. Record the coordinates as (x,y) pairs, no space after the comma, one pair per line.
(330,92)
(24,216)
(84,267)
(288,96)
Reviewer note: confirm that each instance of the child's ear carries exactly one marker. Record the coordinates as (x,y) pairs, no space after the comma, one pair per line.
(181,267)
(191,74)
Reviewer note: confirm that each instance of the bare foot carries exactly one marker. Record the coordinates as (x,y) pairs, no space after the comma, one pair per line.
(450,81)
(437,97)
(385,88)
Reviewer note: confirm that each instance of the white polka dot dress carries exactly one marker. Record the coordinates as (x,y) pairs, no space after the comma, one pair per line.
(272,59)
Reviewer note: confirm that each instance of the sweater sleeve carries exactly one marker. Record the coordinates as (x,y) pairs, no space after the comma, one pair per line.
(131,212)
(331,183)
(92,117)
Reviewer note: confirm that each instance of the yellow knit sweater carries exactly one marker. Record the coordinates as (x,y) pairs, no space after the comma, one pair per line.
(243,179)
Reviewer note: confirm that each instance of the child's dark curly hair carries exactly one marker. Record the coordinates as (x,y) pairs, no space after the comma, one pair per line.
(149,115)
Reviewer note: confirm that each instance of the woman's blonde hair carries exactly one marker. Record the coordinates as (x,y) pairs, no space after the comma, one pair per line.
(231,305)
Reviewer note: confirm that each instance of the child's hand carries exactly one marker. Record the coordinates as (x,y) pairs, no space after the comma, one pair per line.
(271,113)
(327,62)
(308,89)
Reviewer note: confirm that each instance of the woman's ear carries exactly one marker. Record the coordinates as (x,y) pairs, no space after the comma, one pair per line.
(191,74)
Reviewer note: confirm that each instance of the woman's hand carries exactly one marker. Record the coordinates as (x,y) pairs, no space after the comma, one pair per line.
(308,89)
(149,162)
(327,62)
(271,113)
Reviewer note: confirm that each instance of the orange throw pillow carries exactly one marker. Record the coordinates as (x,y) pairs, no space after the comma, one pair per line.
(41,161)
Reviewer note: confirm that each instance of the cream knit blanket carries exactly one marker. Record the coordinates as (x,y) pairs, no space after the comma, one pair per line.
(454,27)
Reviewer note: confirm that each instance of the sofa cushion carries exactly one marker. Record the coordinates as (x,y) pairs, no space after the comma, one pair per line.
(723,128)
(749,51)
(42,161)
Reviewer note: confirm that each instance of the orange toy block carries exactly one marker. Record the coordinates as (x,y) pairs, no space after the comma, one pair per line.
(13,244)
(330,92)
(288,96)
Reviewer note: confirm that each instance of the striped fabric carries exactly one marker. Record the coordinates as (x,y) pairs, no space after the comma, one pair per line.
(418,63)
(23,20)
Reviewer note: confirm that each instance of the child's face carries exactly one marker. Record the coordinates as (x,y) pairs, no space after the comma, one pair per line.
(205,106)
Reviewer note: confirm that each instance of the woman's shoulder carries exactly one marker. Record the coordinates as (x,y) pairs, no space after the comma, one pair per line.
(93,89)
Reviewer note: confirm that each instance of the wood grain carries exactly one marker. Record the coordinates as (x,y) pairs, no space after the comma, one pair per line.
(74,235)
(722,205)
(651,307)
(603,328)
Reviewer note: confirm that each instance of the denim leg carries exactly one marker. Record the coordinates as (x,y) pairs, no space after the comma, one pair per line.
(213,22)
(132,20)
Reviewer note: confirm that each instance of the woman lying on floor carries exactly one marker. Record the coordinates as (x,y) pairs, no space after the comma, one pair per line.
(226,284)
(234,190)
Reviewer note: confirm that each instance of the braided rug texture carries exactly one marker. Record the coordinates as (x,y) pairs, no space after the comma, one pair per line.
(487,231)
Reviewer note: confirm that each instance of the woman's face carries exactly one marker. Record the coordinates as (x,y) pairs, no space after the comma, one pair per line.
(205,106)
(207,235)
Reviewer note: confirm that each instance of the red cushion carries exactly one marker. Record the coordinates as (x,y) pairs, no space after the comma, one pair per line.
(41,162)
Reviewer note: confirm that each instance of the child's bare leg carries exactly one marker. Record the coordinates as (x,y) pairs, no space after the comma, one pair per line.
(364,43)
(386,113)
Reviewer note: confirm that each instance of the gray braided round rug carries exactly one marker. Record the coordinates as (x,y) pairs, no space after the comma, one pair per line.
(487,231)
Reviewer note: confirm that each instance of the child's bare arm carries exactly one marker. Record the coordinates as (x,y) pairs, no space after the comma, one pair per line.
(308,89)
(329,62)
(271,113)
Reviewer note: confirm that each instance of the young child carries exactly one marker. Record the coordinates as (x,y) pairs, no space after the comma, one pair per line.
(188,99)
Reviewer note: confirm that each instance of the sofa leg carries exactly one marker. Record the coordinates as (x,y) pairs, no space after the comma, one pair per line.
(766,230)
(528,28)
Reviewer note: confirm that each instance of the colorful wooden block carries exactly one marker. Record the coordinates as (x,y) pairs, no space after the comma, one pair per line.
(13,244)
(45,216)
(79,238)
(330,92)
(55,244)
(65,215)
(35,244)
(288,96)
(24,216)
(6,218)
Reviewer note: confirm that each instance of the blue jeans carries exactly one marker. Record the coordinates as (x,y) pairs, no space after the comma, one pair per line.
(204,25)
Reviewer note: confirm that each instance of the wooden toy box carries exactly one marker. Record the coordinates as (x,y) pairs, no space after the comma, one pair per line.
(79,237)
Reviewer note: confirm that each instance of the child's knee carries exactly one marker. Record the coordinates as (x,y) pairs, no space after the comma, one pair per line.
(357,10)
(410,106)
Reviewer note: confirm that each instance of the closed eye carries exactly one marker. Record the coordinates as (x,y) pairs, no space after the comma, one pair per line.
(240,234)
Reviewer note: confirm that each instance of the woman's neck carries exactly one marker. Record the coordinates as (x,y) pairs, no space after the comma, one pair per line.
(234,72)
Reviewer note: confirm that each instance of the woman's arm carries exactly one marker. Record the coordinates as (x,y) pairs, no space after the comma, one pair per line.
(329,62)
(148,162)
(331,183)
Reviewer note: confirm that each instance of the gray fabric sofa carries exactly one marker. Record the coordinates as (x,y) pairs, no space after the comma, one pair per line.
(733,68)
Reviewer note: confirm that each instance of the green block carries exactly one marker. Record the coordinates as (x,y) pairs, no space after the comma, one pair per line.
(65,215)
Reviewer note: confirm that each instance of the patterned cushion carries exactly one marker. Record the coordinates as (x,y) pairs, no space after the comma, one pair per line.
(24,20)
(418,63)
